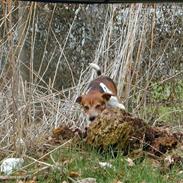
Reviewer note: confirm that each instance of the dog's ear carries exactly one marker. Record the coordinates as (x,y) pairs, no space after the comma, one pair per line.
(106,96)
(79,99)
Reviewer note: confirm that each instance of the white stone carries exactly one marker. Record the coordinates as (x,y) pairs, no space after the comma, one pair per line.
(10,164)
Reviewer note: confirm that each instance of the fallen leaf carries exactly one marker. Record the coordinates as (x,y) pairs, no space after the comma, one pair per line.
(143,181)
(74,174)
(180,173)
(169,160)
(117,181)
(87,180)
(130,162)
(105,165)
(31,181)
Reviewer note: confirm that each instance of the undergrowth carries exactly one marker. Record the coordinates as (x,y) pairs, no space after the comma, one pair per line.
(82,162)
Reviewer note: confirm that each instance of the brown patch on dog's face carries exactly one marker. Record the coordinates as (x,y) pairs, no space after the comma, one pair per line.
(93,104)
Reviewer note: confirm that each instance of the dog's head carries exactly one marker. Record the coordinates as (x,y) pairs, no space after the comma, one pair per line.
(94,103)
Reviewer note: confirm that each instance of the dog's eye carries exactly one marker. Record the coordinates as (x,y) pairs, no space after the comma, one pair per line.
(86,108)
(97,106)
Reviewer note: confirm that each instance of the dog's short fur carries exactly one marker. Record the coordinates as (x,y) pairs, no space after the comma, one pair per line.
(101,93)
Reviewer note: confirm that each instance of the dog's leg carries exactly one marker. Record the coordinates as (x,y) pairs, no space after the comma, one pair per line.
(113,102)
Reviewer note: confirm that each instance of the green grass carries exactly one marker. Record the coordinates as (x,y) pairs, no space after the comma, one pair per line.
(165,103)
(171,115)
(85,162)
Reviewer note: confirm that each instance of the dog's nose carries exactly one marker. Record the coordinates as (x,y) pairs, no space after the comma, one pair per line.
(91,118)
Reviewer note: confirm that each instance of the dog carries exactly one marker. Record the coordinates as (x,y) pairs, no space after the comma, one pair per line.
(101,94)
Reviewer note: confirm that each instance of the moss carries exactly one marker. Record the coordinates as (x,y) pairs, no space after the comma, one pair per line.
(124,132)
(114,127)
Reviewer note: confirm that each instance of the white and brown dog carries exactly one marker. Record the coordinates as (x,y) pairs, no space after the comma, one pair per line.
(101,94)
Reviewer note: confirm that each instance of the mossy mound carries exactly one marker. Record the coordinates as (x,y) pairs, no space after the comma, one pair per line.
(122,131)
